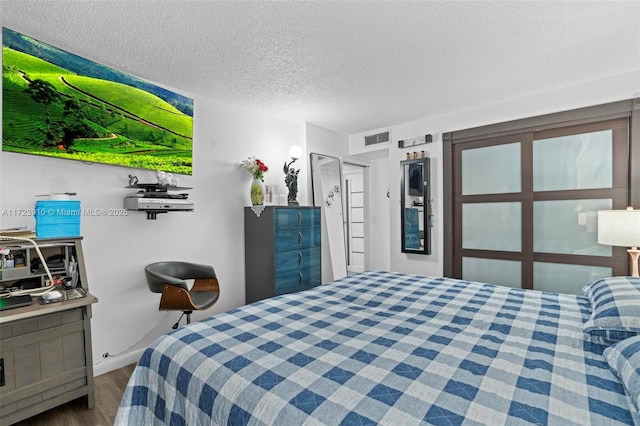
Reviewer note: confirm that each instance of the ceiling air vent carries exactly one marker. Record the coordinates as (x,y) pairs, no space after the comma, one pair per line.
(377,138)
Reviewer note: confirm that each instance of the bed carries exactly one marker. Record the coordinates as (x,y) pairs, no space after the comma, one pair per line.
(384,348)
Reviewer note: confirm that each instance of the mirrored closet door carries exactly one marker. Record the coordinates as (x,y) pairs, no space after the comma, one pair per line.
(525,206)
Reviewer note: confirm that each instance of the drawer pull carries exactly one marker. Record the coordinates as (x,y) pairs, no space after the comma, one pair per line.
(300,279)
(299,218)
(299,238)
(299,259)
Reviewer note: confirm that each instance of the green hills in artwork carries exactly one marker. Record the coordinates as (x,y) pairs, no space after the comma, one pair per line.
(50,110)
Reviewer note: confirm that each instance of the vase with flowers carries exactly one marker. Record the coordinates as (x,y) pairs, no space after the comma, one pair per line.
(256,169)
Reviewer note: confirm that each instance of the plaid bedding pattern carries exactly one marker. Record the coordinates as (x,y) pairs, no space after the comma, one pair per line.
(382,348)
(624,361)
(616,308)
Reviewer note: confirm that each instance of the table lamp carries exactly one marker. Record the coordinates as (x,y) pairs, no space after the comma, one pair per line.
(621,228)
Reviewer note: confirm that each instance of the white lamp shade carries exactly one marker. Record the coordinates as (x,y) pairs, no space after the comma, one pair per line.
(295,152)
(619,228)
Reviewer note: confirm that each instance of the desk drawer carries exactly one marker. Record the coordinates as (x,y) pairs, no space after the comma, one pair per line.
(294,281)
(295,218)
(292,239)
(295,260)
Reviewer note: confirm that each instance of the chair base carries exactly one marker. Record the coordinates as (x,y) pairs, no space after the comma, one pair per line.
(188,314)
(179,299)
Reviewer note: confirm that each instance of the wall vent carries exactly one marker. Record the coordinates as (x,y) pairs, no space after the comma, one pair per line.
(378,138)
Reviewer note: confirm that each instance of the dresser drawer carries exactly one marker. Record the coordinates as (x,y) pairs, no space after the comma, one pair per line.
(291,282)
(295,218)
(291,238)
(295,260)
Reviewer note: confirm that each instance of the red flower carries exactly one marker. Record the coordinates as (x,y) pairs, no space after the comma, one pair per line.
(255,167)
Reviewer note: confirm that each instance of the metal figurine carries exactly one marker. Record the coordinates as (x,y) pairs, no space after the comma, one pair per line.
(291,180)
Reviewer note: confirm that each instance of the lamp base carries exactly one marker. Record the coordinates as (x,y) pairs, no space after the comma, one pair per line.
(635,254)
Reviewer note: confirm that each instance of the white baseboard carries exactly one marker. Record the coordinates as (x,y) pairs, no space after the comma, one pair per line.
(105,365)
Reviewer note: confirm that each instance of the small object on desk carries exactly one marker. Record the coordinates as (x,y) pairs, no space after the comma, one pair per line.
(73,270)
(18,261)
(76,293)
(61,295)
(23,232)
(52,296)
(15,302)
(57,280)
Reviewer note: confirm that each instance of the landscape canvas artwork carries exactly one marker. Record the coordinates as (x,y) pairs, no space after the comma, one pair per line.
(58,104)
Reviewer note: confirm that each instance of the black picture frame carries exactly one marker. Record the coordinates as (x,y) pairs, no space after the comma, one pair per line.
(415,207)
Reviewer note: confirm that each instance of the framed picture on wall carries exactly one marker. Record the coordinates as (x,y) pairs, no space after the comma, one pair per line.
(58,104)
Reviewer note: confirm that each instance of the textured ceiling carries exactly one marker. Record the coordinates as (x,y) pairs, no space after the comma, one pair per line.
(346,66)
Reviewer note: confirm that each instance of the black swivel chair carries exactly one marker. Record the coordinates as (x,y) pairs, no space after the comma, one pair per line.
(169,278)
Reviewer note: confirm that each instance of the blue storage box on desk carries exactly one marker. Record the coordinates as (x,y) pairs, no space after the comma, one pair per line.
(57,218)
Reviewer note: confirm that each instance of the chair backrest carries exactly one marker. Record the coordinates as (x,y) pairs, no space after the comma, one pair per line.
(174,272)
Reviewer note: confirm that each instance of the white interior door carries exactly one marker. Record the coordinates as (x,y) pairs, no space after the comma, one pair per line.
(355,207)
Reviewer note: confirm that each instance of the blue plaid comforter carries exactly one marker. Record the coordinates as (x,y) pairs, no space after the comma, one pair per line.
(382,348)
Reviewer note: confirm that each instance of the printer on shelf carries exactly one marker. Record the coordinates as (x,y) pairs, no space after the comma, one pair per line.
(155,198)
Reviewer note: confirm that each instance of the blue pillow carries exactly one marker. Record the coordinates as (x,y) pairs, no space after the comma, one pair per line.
(615,304)
(624,360)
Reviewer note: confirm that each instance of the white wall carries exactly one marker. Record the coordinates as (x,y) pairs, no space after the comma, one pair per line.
(325,141)
(614,88)
(117,248)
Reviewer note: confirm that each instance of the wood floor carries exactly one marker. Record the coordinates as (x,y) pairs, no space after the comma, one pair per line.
(109,388)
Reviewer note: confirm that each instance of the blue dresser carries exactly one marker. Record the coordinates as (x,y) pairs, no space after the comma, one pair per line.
(282,251)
